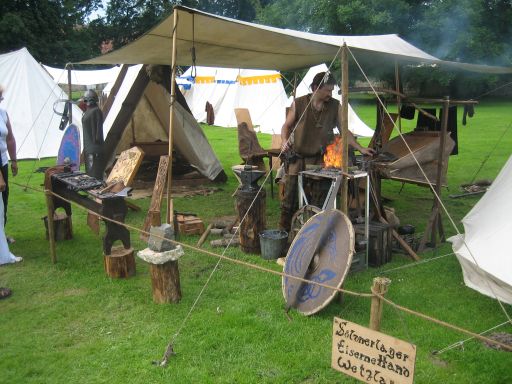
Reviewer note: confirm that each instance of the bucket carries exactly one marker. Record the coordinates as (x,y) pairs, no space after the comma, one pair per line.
(273,243)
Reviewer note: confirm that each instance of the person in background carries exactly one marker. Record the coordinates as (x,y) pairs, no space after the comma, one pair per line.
(6,257)
(7,147)
(92,126)
(311,119)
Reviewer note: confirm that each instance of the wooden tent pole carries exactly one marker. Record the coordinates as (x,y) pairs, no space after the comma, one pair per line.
(344,126)
(105,108)
(294,84)
(435,221)
(440,170)
(70,98)
(398,95)
(169,215)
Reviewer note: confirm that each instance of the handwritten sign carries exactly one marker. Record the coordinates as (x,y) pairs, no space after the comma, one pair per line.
(371,356)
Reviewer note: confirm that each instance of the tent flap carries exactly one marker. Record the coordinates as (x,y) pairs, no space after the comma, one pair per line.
(483,250)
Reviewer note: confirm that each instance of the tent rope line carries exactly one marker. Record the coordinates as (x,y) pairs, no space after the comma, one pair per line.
(18,149)
(436,196)
(491,152)
(461,342)
(282,274)
(418,263)
(493,90)
(33,123)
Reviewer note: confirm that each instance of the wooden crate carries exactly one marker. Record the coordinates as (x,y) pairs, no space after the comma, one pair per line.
(189,225)
(380,247)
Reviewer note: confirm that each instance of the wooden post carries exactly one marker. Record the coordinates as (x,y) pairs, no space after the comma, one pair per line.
(344,126)
(113,92)
(294,93)
(165,282)
(380,286)
(204,235)
(398,97)
(434,222)
(170,210)
(153,217)
(70,90)
(120,263)
(440,170)
(51,234)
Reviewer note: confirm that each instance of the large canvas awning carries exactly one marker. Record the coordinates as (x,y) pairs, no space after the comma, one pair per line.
(224,42)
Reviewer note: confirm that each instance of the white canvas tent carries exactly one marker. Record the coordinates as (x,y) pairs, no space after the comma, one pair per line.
(260,91)
(140,114)
(84,77)
(30,96)
(223,42)
(486,258)
(355,124)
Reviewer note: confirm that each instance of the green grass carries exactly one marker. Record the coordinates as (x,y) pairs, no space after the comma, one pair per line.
(68,323)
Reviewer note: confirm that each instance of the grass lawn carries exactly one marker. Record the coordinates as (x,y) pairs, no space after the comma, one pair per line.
(68,323)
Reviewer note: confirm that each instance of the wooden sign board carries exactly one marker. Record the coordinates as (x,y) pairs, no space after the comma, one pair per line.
(371,356)
(126,166)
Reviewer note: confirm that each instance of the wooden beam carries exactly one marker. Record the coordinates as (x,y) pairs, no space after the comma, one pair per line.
(344,126)
(170,209)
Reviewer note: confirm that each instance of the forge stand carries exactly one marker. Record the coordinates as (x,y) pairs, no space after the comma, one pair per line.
(336,177)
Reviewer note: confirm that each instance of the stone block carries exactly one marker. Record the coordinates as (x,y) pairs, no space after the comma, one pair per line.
(159,238)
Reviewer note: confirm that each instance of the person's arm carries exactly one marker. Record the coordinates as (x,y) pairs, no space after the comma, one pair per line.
(287,128)
(11,148)
(352,140)
(354,144)
(2,183)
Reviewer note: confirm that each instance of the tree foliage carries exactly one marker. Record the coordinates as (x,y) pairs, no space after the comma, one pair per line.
(59,31)
(51,29)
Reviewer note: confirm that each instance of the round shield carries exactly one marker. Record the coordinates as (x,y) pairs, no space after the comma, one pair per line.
(321,252)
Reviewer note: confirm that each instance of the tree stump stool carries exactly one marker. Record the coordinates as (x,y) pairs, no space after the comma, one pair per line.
(62,227)
(120,263)
(251,205)
(165,275)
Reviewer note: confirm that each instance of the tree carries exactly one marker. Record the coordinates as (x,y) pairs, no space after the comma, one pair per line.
(350,17)
(50,29)
(466,30)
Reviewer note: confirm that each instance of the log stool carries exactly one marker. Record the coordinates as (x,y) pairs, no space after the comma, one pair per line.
(62,226)
(120,263)
(165,275)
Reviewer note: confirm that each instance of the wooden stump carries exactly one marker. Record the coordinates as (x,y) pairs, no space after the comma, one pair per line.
(165,281)
(62,227)
(120,263)
(254,222)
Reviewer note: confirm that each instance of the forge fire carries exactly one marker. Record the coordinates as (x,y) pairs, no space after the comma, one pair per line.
(333,154)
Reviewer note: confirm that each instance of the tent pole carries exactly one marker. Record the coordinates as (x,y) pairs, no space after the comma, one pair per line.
(68,66)
(294,84)
(170,210)
(344,126)
(398,97)
(435,221)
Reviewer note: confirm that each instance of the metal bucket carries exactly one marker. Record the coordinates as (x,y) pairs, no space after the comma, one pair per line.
(273,243)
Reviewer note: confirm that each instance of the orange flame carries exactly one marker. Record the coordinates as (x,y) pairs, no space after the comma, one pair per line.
(333,154)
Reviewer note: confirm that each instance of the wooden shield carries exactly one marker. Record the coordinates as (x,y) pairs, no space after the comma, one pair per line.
(321,252)
(70,147)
